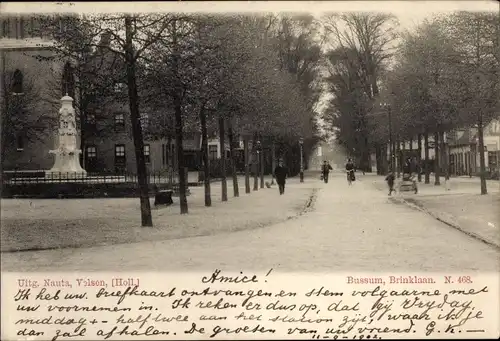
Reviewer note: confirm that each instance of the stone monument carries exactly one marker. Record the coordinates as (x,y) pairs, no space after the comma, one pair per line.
(67,160)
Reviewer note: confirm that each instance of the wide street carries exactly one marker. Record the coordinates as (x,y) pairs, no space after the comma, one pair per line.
(350,229)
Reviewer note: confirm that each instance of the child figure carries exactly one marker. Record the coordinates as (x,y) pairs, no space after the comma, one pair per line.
(390,181)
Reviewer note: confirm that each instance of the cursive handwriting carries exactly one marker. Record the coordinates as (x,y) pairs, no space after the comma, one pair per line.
(222,306)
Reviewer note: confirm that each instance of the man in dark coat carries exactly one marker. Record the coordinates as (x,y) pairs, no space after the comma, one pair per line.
(349,167)
(390,181)
(325,171)
(280,172)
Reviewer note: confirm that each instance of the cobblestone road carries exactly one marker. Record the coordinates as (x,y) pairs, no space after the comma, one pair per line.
(351,229)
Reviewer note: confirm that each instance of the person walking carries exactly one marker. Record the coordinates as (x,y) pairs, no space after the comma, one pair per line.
(349,167)
(280,172)
(390,181)
(325,171)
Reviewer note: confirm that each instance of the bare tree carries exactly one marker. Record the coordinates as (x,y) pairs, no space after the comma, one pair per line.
(476,37)
(371,38)
(128,37)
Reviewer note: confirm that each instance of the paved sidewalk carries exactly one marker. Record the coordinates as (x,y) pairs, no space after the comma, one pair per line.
(351,229)
(52,223)
(462,206)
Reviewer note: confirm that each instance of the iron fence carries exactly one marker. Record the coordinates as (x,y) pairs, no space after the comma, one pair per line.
(168,177)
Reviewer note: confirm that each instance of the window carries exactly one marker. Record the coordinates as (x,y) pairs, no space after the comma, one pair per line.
(91,152)
(68,81)
(22,23)
(212,152)
(144,121)
(119,153)
(63,25)
(120,158)
(19,142)
(5,28)
(147,157)
(164,158)
(17,83)
(35,28)
(119,121)
(173,151)
(91,119)
(119,87)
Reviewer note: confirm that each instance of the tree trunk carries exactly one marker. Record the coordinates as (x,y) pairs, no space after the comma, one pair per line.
(255,164)
(403,155)
(177,99)
(247,165)
(222,141)
(383,159)
(419,157)
(426,157)
(393,156)
(146,218)
(398,160)
(368,160)
(170,160)
(436,159)
(444,156)
(204,155)
(482,161)
(273,160)
(236,190)
(261,165)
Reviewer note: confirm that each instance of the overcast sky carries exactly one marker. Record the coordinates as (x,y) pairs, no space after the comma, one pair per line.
(409,12)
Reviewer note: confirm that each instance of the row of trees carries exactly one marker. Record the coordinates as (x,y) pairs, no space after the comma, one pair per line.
(249,76)
(412,85)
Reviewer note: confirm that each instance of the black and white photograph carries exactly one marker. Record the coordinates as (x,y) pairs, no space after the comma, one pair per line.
(310,137)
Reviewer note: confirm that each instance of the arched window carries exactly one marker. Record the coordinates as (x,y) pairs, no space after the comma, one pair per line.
(68,81)
(17,82)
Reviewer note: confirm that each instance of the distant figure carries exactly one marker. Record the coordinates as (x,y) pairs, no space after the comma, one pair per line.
(390,181)
(280,172)
(349,167)
(325,171)
(408,174)
(407,168)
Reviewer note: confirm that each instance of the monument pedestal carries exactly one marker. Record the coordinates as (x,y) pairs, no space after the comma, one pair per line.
(67,160)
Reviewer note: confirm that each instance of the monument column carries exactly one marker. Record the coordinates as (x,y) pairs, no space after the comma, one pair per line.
(67,154)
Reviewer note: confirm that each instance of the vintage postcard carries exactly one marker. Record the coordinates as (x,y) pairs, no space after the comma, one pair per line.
(250,170)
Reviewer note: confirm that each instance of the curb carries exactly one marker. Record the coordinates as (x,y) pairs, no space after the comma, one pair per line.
(449,223)
(308,206)
(444,221)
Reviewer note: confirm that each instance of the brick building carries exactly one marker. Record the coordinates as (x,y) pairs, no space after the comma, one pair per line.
(26,80)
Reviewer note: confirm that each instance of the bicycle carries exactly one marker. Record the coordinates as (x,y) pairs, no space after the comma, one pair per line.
(349,177)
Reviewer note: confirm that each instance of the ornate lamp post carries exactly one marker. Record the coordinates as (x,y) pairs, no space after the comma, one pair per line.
(259,162)
(301,144)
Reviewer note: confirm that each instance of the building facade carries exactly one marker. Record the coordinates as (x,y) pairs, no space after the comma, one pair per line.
(29,108)
(462,150)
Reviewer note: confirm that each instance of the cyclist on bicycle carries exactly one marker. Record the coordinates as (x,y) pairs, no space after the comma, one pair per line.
(349,167)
